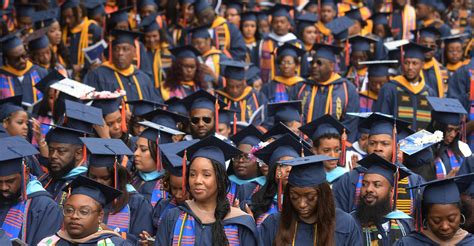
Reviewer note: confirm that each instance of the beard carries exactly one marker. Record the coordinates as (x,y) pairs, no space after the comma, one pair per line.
(65,170)
(373,214)
(12,198)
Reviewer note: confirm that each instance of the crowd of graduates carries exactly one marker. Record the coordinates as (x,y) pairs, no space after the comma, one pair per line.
(246,122)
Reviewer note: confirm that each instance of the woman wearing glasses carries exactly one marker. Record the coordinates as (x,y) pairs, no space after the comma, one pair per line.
(83,216)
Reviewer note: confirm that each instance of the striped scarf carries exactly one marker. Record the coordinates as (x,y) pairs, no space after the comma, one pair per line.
(221,34)
(120,220)
(281,95)
(84,38)
(232,193)
(184,231)
(365,102)
(441,168)
(273,209)
(16,220)
(372,234)
(267,60)
(434,64)
(158,193)
(7,84)
(471,108)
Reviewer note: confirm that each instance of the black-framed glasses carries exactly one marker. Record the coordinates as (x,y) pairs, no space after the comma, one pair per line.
(243,157)
(196,120)
(82,212)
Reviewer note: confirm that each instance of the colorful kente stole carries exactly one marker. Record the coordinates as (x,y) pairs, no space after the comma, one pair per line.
(158,193)
(16,220)
(120,220)
(221,34)
(357,191)
(267,60)
(273,209)
(471,108)
(7,87)
(441,168)
(372,236)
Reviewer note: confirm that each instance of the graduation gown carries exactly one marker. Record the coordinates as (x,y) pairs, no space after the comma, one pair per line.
(246,104)
(402,22)
(44,217)
(228,38)
(419,239)
(61,238)
(336,96)
(246,191)
(132,80)
(400,98)
(347,188)
(150,186)
(448,160)
(11,85)
(236,183)
(159,64)
(346,232)
(239,225)
(360,77)
(435,76)
(377,235)
(162,208)
(281,89)
(137,212)
(55,186)
(91,33)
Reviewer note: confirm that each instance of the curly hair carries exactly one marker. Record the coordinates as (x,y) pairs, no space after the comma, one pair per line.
(174,75)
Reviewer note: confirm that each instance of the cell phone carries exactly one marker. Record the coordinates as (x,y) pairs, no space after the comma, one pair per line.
(150,239)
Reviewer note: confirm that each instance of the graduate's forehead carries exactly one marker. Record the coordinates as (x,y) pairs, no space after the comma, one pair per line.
(81,200)
(375,178)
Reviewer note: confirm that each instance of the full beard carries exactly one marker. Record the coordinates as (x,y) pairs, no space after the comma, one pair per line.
(65,170)
(373,214)
(13,198)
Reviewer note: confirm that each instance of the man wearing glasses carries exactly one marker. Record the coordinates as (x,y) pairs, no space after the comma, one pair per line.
(326,92)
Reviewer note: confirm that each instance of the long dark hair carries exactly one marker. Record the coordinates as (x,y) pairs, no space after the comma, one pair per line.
(257,32)
(175,76)
(262,199)
(325,217)
(440,147)
(222,204)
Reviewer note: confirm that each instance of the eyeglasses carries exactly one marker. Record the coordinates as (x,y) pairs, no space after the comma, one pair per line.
(243,157)
(287,63)
(84,212)
(318,62)
(196,120)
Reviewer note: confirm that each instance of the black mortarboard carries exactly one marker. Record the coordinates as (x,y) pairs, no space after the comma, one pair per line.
(201,5)
(105,152)
(252,74)
(339,27)
(94,7)
(211,148)
(327,51)
(124,36)
(101,193)
(279,10)
(288,49)
(108,105)
(430,32)
(10,105)
(448,111)
(66,135)
(238,5)
(249,135)
(307,171)
(171,161)
(226,116)
(359,14)
(25,10)
(13,150)
(81,116)
(120,15)
(380,18)
(279,130)
(40,42)
(382,124)
(414,50)
(142,107)
(51,78)
(458,38)
(378,68)
(200,32)
(283,146)
(234,69)
(10,41)
(165,118)
(285,111)
(156,132)
(70,4)
(144,3)
(149,23)
(176,105)
(249,16)
(202,99)
(305,20)
(432,3)
(186,51)
(378,165)
(323,125)
(361,43)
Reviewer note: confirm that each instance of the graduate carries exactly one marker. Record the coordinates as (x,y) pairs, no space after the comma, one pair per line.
(288,113)
(244,169)
(148,165)
(27,211)
(225,35)
(207,218)
(79,32)
(280,34)
(441,201)
(18,75)
(453,53)
(251,34)
(233,12)
(404,95)
(450,153)
(327,14)
(427,16)
(120,73)
(383,142)
(140,108)
(358,149)
(268,199)
(309,216)
(404,19)
(340,37)
(96,11)
(360,52)
(130,213)
(363,24)
(24,16)
(325,92)
(420,159)
(41,53)
(282,87)
(306,30)
(185,75)
(329,138)
(227,127)
(434,73)
(237,95)
(379,225)
(83,216)
(377,75)
(381,26)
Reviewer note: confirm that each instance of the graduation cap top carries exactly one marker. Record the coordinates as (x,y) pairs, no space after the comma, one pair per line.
(202,99)
(105,152)
(305,20)
(108,105)
(414,50)
(327,51)
(323,125)
(280,10)
(176,105)
(156,132)
(124,36)
(458,38)
(101,193)
(120,15)
(379,68)
(200,32)
(339,27)
(10,105)
(226,116)
(283,146)
(81,116)
(285,111)
(144,3)
(249,135)
(447,110)
(249,16)
(238,5)
(211,148)
(70,4)
(10,41)
(149,23)
(25,10)
(165,118)
(66,135)
(171,161)
(94,7)
(378,165)
(201,5)
(45,18)
(307,171)
(234,69)
(51,78)
(288,49)
(279,130)
(382,124)
(361,43)
(432,3)
(142,107)
(429,32)
(39,42)
(186,51)
(13,150)
(380,18)
(360,14)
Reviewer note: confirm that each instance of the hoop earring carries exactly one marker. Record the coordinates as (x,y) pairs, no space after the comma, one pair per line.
(464,219)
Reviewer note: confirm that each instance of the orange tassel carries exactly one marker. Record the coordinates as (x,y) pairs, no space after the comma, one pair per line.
(463,129)
(84,153)
(347,52)
(235,123)
(25,183)
(394,145)
(280,190)
(110,48)
(123,112)
(158,154)
(183,169)
(395,186)
(343,147)
(115,174)
(401,55)
(216,106)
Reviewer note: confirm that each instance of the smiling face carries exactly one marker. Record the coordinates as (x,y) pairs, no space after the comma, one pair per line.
(375,188)
(86,217)
(202,180)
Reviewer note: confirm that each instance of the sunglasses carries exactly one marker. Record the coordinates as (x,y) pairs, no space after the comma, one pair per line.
(196,120)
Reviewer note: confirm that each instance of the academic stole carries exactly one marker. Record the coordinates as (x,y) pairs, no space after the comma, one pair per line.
(7,87)
(267,60)
(83,38)
(243,106)
(273,209)
(420,114)
(281,84)
(373,237)
(232,192)
(471,103)
(441,168)
(158,193)
(221,34)
(159,62)
(439,77)
(120,220)
(125,72)
(16,220)
(184,234)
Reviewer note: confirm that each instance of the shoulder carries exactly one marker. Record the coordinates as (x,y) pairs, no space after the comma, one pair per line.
(345,223)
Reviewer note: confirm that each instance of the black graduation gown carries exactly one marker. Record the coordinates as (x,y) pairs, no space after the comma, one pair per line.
(10,82)
(55,186)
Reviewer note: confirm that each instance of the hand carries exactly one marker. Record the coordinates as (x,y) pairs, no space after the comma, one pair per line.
(354,160)
(257,84)
(453,172)
(248,210)
(236,203)
(144,236)
(102,131)
(36,127)
(207,70)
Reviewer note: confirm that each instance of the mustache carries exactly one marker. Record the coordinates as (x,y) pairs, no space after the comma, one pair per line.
(373,214)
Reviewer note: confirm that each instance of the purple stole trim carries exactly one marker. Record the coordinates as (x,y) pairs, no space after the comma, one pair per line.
(158,193)
(120,220)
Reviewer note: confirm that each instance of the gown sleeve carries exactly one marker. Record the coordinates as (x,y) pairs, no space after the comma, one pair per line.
(45,219)
(267,230)
(341,189)
(141,219)
(164,234)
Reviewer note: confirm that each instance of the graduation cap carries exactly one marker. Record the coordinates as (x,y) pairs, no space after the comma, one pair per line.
(359,14)
(383,124)
(283,146)
(417,154)
(144,106)
(94,7)
(249,16)
(285,111)
(186,51)
(200,32)
(432,3)
(429,32)
(378,165)
(361,43)
(144,3)
(305,20)
(45,18)
(108,105)
(326,51)
(9,106)
(176,105)
(81,116)
(39,42)
(414,50)
(262,15)
(51,78)
(252,74)
(323,125)
(101,193)
(165,118)
(158,133)
(66,135)
(307,171)
(211,148)
(124,36)
(202,99)
(149,23)
(378,68)
(249,135)
(70,4)
(237,5)
(234,69)
(25,10)
(448,111)
(201,5)
(171,161)
(279,10)
(339,27)
(279,130)
(458,38)
(120,15)
(10,41)
(380,18)
(226,116)
(288,49)
(13,150)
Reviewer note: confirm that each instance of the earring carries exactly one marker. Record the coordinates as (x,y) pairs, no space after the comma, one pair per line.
(425,225)
(463,219)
